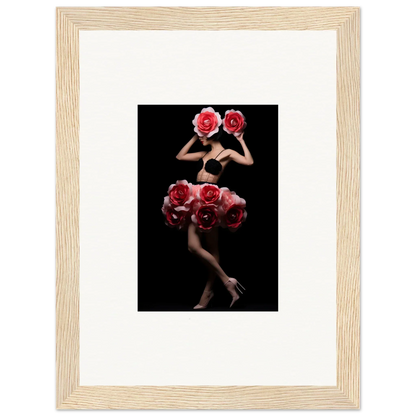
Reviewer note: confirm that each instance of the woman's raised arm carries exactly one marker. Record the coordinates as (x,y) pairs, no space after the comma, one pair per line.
(247,159)
(191,157)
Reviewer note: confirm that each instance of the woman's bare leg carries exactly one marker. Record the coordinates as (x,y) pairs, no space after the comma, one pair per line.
(195,247)
(212,246)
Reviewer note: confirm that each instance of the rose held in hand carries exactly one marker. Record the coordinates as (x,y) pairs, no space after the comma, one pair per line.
(234,122)
(207,122)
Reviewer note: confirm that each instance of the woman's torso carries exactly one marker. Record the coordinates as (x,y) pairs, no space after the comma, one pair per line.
(211,166)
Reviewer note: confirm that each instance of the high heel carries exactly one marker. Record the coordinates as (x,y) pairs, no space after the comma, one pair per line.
(231,285)
(211,295)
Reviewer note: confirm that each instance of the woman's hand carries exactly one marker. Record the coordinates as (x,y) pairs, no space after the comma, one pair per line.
(240,137)
(184,155)
(247,159)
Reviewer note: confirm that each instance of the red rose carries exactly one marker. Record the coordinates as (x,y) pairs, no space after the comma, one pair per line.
(232,210)
(176,218)
(209,194)
(234,216)
(180,193)
(234,122)
(206,217)
(207,122)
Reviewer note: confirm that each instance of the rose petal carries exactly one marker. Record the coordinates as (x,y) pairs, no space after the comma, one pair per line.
(213,132)
(228,131)
(195,119)
(198,132)
(189,203)
(218,118)
(196,204)
(166,204)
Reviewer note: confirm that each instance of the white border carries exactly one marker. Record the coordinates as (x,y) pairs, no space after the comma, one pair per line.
(297,345)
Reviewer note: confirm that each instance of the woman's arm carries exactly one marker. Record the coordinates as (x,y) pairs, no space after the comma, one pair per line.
(247,159)
(192,157)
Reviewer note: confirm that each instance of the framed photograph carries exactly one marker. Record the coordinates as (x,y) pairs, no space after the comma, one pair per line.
(208,208)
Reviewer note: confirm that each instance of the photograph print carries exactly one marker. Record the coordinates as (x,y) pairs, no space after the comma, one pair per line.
(208,207)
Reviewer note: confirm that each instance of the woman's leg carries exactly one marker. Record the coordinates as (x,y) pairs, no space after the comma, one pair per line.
(195,247)
(212,247)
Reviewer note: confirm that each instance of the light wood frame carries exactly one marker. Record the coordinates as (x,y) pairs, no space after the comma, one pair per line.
(346,394)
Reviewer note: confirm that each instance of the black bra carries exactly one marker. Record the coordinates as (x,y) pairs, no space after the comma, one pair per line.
(212,165)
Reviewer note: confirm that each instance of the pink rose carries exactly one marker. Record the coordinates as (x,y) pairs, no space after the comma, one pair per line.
(234,122)
(177,216)
(210,194)
(206,217)
(166,205)
(207,122)
(232,211)
(181,193)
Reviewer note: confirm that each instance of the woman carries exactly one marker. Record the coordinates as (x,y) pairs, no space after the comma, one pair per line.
(229,206)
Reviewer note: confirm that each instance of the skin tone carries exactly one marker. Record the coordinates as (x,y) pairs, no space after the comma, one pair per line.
(210,257)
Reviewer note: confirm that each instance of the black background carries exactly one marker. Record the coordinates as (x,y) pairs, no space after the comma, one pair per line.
(169,276)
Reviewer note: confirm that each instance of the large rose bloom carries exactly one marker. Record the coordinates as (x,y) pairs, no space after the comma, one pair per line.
(210,194)
(181,193)
(207,122)
(206,217)
(177,217)
(232,211)
(234,122)
(234,217)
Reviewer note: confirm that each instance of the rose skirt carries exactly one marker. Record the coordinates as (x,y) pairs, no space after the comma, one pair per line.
(207,206)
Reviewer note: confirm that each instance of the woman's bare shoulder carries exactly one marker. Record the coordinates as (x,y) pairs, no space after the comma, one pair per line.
(229,152)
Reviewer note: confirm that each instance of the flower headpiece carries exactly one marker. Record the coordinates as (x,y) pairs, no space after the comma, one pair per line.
(234,122)
(207,122)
